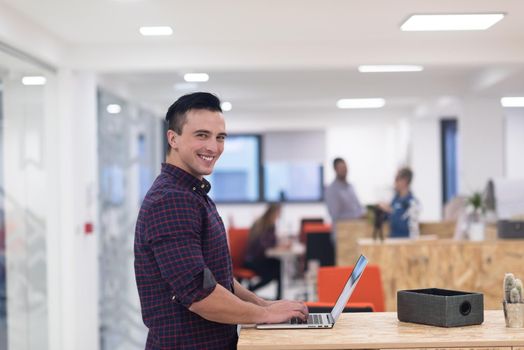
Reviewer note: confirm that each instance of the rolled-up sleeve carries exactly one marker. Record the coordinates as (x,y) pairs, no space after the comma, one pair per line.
(175,239)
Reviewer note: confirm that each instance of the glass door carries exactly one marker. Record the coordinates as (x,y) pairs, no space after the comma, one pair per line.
(23,206)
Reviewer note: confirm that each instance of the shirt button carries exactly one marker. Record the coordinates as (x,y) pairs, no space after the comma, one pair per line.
(173,298)
(194,188)
(202,186)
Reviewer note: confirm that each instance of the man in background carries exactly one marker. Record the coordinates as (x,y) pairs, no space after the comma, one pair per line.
(341,199)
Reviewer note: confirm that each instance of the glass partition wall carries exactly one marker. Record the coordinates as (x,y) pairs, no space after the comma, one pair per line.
(23,229)
(3,292)
(130,150)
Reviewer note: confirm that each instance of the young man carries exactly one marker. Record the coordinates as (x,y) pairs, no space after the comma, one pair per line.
(183,270)
(397,210)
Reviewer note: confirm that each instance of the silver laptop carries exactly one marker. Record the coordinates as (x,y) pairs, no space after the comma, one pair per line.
(326,320)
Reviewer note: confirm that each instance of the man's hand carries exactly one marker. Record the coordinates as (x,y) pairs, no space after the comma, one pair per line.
(385,207)
(283,310)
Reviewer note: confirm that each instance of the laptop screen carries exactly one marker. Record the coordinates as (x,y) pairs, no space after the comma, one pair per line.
(349,287)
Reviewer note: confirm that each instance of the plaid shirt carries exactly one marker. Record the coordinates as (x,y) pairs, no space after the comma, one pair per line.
(179,239)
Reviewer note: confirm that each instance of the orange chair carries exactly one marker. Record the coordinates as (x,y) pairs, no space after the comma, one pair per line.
(315,227)
(331,280)
(237,247)
(303,223)
(321,307)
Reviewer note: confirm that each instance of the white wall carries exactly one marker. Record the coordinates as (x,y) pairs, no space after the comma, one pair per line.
(427,167)
(481,143)
(514,143)
(22,34)
(308,146)
(370,150)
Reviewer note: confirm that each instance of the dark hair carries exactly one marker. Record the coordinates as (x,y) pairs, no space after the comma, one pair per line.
(405,173)
(265,222)
(176,114)
(336,161)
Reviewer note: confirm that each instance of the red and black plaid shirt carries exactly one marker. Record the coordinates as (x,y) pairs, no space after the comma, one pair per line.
(178,236)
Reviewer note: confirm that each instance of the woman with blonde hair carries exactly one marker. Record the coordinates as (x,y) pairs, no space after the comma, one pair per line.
(262,236)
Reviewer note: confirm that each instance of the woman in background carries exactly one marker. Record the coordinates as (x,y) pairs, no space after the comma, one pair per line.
(262,236)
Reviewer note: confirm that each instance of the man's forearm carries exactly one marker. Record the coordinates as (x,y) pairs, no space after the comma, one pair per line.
(225,307)
(247,295)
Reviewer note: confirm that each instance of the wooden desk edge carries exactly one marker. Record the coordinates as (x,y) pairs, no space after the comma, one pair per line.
(418,341)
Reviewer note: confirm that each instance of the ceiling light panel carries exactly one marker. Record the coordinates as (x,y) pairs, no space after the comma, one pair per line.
(113,108)
(34,80)
(226,106)
(445,22)
(156,31)
(357,103)
(512,101)
(196,77)
(389,68)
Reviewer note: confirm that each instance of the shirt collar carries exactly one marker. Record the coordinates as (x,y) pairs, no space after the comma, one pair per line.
(186,180)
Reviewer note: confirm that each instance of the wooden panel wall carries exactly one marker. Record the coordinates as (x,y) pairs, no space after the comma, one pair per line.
(448,264)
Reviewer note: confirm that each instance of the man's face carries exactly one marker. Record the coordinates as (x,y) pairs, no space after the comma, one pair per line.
(341,170)
(201,143)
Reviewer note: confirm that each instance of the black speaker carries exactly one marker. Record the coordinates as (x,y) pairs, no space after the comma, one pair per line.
(510,229)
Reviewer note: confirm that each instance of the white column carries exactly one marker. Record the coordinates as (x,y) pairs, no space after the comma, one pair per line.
(427,167)
(481,143)
(514,143)
(71,151)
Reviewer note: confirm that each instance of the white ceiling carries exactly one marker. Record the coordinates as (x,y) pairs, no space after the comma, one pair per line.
(286,54)
(267,21)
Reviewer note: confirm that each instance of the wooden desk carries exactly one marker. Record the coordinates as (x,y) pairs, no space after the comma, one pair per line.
(287,257)
(382,330)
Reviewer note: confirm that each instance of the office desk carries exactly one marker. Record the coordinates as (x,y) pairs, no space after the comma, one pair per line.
(382,330)
(287,257)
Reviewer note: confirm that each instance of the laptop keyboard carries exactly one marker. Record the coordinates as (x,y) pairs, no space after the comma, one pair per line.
(312,319)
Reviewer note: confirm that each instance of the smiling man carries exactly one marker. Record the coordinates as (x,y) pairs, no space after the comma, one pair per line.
(183,270)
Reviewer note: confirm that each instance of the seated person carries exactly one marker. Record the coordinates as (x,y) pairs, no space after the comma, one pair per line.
(398,211)
(262,236)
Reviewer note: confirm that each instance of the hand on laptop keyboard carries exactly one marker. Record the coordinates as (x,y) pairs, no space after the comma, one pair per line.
(284,310)
(312,319)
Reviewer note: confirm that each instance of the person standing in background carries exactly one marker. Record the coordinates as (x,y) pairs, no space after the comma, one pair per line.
(262,236)
(341,200)
(398,210)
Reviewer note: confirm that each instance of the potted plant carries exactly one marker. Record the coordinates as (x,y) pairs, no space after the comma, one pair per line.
(475,217)
(513,303)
